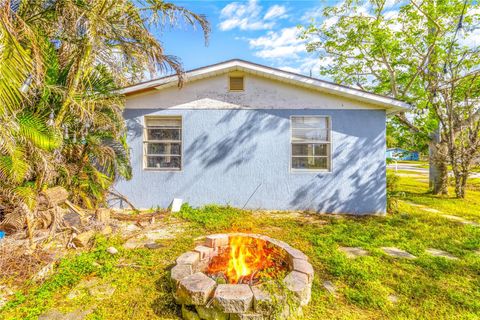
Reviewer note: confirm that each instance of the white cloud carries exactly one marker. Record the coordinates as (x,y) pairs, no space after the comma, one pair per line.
(471,39)
(312,14)
(275,11)
(306,64)
(312,64)
(280,44)
(248,16)
(244,16)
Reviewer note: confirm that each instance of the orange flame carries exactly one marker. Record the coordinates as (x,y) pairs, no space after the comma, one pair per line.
(244,258)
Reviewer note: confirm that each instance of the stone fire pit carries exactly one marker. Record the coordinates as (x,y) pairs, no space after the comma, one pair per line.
(203,296)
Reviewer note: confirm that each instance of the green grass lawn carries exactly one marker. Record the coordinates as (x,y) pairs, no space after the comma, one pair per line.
(427,287)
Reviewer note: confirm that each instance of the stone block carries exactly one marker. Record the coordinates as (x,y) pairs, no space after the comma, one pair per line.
(189,314)
(195,289)
(247,316)
(263,301)
(211,313)
(398,253)
(353,252)
(303,266)
(83,238)
(216,240)
(233,298)
(297,282)
(204,251)
(295,254)
(190,257)
(281,244)
(180,271)
(441,253)
(153,245)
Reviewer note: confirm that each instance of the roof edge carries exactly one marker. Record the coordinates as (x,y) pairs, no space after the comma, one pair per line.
(392,105)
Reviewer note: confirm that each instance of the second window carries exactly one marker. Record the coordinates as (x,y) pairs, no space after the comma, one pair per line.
(311,143)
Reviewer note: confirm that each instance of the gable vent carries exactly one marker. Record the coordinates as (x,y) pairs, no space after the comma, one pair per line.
(236,84)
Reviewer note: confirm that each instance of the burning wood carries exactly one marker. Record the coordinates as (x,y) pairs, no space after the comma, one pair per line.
(247,260)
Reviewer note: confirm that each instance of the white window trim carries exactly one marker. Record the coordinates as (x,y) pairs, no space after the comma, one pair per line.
(330,143)
(145,143)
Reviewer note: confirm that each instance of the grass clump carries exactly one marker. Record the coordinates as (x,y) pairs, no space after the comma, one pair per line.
(214,217)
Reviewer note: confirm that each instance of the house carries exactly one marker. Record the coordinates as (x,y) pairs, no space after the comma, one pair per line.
(401,154)
(247,135)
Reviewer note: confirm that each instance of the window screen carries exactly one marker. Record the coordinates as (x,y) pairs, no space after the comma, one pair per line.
(311,143)
(163,143)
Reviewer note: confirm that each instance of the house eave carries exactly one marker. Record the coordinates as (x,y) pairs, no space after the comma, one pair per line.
(391,105)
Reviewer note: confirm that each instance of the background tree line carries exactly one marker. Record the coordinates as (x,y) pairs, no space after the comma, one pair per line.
(414,51)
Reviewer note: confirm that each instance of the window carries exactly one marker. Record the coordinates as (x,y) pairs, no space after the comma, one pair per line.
(236,83)
(311,143)
(163,143)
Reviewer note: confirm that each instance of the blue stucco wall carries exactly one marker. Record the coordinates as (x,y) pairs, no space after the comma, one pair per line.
(228,154)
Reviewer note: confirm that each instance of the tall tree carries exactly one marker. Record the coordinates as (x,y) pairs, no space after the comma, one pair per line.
(61,65)
(395,51)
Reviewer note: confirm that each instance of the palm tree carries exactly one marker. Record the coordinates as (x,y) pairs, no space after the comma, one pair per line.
(61,64)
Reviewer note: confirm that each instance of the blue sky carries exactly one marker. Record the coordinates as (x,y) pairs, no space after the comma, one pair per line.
(260,31)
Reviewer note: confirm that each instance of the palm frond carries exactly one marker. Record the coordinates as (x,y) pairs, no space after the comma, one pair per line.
(14,167)
(37,132)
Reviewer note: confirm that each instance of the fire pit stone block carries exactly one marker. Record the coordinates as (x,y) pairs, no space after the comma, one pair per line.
(189,314)
(297,282)
(262,301)
(190,257)
(180,271)
(303,266)
(233,298)
(246,316)
(204,251)
(195,289)
(211,313)
(216,240)
(295,254)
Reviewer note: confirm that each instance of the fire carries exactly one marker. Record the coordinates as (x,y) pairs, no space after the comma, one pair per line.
(245,260)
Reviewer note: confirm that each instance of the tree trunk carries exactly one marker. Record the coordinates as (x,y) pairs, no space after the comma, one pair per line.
(438,173)
(52,197)
(461,183)
(459,190)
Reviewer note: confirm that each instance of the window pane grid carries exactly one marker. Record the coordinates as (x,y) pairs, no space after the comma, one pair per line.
(163,143)
(310,143)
